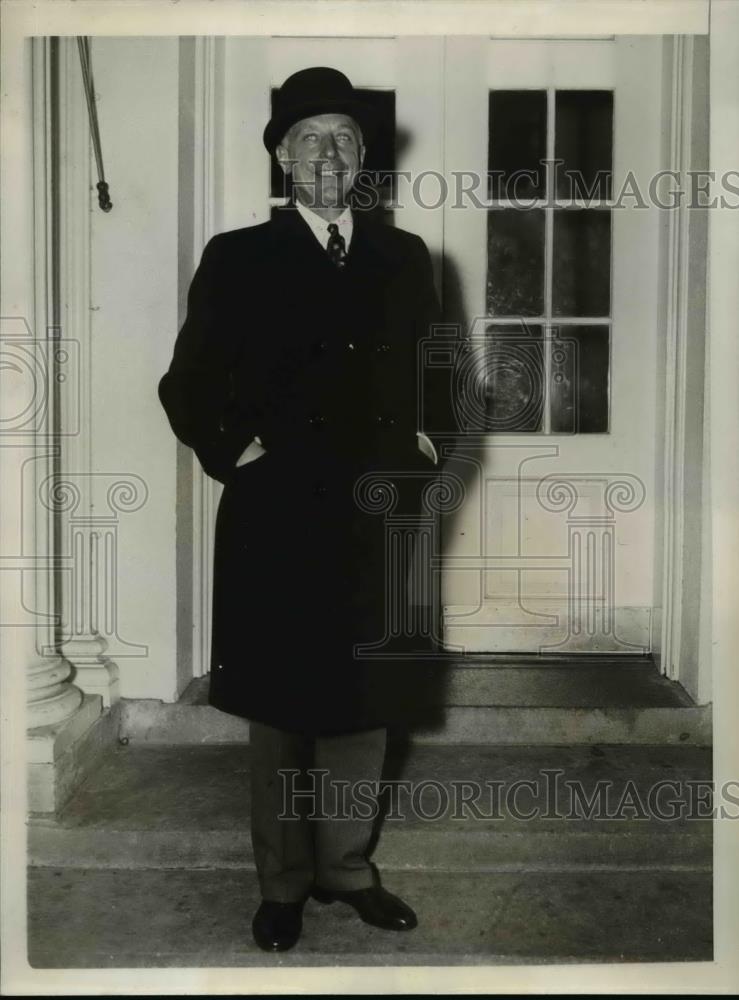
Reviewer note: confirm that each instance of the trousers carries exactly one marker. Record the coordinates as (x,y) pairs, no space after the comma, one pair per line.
(304,828)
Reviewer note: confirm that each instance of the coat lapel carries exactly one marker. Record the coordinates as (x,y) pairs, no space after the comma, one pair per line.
(317,293)
(368,250)
(293,240)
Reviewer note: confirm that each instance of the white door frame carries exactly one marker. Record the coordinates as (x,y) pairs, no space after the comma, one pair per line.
(201,74)
(682,609)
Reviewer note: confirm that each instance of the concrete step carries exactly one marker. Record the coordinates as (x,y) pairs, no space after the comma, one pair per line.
(147,722)
(186,919)
(505,700)
(188,807)
(539,682)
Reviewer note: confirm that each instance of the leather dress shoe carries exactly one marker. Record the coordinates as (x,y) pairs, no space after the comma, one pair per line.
(374,905)
(277,926)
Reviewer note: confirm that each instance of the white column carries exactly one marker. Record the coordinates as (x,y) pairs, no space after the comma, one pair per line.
(51,696)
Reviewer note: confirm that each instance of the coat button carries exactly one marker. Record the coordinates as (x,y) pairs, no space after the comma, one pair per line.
(383,348)
(316,420)
(320,489)
(350,345)
(385,420)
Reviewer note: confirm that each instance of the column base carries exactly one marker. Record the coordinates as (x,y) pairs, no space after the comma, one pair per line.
(98,678)
(93,672)
(60,756)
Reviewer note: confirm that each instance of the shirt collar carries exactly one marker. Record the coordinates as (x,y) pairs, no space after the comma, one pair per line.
(319,226)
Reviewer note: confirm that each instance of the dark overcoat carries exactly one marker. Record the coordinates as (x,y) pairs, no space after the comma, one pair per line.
(325,598)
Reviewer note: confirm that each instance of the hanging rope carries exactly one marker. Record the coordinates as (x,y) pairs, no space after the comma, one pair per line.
(83,44)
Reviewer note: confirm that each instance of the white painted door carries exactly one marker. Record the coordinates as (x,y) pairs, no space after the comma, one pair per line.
(552,550)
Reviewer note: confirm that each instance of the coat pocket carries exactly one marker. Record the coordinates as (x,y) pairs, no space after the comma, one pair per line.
(247,470)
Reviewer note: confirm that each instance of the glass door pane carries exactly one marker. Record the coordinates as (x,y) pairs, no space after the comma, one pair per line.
(548,257)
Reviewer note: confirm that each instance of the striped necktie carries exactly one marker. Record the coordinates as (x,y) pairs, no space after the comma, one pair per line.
(336,245)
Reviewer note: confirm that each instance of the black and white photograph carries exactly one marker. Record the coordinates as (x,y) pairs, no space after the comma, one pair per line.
(369,515)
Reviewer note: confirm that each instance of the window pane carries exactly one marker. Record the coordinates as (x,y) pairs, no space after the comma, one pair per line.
(514,378)
(581,265)
(579,381)
(517,141)
(380,156)
(515,279)
(583,139)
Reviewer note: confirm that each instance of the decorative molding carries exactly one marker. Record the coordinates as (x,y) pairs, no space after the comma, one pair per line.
(676,374)
(205,490)
(588,508)
(46,319)
(546,624)
(51,698)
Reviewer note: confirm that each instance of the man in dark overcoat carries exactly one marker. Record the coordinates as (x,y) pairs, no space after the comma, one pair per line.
(296,380)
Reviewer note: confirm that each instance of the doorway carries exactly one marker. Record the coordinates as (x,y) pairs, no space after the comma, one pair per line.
(554,303)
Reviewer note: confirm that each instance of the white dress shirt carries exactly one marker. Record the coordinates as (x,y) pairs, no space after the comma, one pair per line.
(319,228)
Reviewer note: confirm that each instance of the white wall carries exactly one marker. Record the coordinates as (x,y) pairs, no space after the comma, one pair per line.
(134,322)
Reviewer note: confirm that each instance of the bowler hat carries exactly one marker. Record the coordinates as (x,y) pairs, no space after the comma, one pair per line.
(319,90)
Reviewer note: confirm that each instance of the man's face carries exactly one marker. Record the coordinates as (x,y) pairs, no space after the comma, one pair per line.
(324,154)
